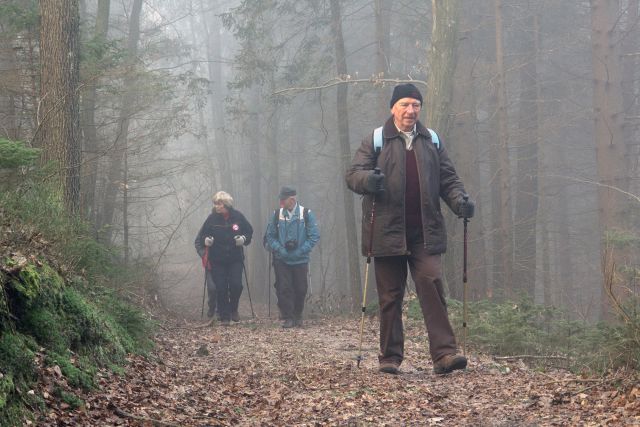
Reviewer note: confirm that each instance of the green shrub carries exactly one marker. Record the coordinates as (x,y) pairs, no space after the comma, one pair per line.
(14,154)
(522,328)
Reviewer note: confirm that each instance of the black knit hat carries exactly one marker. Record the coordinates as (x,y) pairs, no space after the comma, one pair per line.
(406,90)
(286,192)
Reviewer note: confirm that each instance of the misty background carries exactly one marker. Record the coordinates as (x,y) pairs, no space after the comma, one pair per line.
(536,102)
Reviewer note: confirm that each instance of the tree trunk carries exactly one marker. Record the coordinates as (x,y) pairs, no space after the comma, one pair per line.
(116,158)
(343,137)
(88,124)
(59,117)
(631,92)
(465,136)
(11,83)
(608,116)
(382,56)
(503,173)
(442,64)
(526,205)
(216,92)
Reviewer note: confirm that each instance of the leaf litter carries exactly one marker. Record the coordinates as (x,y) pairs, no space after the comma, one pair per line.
(255,373)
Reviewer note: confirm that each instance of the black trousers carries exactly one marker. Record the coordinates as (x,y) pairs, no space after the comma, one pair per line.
(291,288)
(228,284)
(211,291)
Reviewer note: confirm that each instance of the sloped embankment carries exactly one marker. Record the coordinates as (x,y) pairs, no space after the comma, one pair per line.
(56,328)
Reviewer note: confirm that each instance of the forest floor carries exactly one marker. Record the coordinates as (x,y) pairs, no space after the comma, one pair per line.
(258,374)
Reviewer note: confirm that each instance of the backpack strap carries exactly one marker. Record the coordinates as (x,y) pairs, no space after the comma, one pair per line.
(278,212)
(305,216)
(378,139)
(434,138)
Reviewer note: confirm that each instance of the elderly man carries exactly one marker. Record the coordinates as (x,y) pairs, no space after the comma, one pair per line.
(408,230)
(291,234)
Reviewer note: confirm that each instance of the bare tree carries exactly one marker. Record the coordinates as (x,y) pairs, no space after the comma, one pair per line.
(345,149)
(383,57)
(503,171)
(88,114)
(442,63)
(608,116)
(526,202)
(117,174)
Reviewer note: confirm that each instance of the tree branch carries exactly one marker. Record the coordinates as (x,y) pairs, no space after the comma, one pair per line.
(376,81)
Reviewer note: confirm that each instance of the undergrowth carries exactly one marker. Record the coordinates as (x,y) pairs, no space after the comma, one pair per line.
(522,328)
(61,302)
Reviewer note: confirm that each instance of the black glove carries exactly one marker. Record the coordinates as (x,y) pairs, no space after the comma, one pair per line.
(375,183)
(466,207)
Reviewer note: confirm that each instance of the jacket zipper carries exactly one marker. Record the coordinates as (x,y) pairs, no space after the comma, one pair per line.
(424,237)
(404,198)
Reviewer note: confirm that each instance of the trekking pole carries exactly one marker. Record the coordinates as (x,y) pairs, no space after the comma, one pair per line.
(465,221)
(269,287)
(204,292)
(253,315)
(205,264)
(372,220)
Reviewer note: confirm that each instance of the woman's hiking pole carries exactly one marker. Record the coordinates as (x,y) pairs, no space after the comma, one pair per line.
(366,271)
(465,221)
(205,264)
(269,287)
(253,315)
(204,292)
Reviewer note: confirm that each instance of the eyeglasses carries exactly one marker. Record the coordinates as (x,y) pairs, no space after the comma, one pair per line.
(405,105)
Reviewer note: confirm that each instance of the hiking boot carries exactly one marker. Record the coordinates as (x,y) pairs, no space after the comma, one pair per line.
(225,322)
(449,363)
(389,368)
(287,324)
(235,316)
(297,323)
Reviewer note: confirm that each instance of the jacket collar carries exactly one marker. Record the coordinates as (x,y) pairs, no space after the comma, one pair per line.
(390,131)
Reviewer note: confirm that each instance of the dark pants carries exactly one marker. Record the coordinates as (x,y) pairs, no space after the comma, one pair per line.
(228,283)
(211,291)
(391,280)
(291,288)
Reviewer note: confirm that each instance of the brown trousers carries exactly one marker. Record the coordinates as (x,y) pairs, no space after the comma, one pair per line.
(391,280)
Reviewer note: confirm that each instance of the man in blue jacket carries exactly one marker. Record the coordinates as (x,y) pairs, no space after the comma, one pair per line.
(291,234)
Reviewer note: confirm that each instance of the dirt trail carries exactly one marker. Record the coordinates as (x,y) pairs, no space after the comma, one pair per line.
(255,373)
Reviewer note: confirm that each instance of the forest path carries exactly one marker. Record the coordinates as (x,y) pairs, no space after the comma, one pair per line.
(256,373)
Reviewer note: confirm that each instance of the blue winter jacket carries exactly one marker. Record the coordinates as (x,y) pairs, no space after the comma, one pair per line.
(292,228)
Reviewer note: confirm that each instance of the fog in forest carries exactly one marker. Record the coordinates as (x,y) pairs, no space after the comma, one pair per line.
(537,103)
